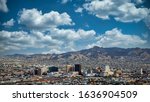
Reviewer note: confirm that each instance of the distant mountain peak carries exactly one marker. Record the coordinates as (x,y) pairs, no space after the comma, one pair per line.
(96,47)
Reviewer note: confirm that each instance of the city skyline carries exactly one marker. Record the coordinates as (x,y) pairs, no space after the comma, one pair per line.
(58,26)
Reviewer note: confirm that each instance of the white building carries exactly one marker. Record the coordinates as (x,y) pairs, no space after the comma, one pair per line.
(107,71)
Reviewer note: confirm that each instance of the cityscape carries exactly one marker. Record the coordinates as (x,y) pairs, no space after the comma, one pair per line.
(74,42)
(74,68)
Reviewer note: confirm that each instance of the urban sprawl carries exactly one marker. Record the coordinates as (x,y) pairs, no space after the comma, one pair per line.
(16,72)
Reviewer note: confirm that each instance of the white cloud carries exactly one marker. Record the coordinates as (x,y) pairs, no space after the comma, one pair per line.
(53,51)
(130,13)
(115,38)
(71,34)
(9,23)
(45,40)
(64,40)
(147,21)
(33,18)
(79,10)
(139,1)
(53,41)
(73,40)
(65,1)
(121,10)
(19,40)
(3,6)
(14,40)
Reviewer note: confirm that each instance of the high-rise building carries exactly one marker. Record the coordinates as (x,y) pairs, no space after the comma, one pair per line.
(78,68)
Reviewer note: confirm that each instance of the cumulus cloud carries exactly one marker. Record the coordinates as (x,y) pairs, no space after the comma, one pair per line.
(3,6)
(54,41)
(73,39)
(42,39)
(131,13)
(71,34)
(79,10)
(115,38)
(9,23)
(19,40)
(63,40)
(34,19)
(121,10)
(14,40)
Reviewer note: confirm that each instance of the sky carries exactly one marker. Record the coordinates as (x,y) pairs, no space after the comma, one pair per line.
(59,26)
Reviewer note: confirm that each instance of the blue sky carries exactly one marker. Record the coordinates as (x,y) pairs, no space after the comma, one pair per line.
(58,26)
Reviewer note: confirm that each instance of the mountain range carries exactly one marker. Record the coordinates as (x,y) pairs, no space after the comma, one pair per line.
(93,57)
(96,52)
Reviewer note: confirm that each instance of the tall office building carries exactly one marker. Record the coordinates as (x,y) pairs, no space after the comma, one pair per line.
(77,68)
